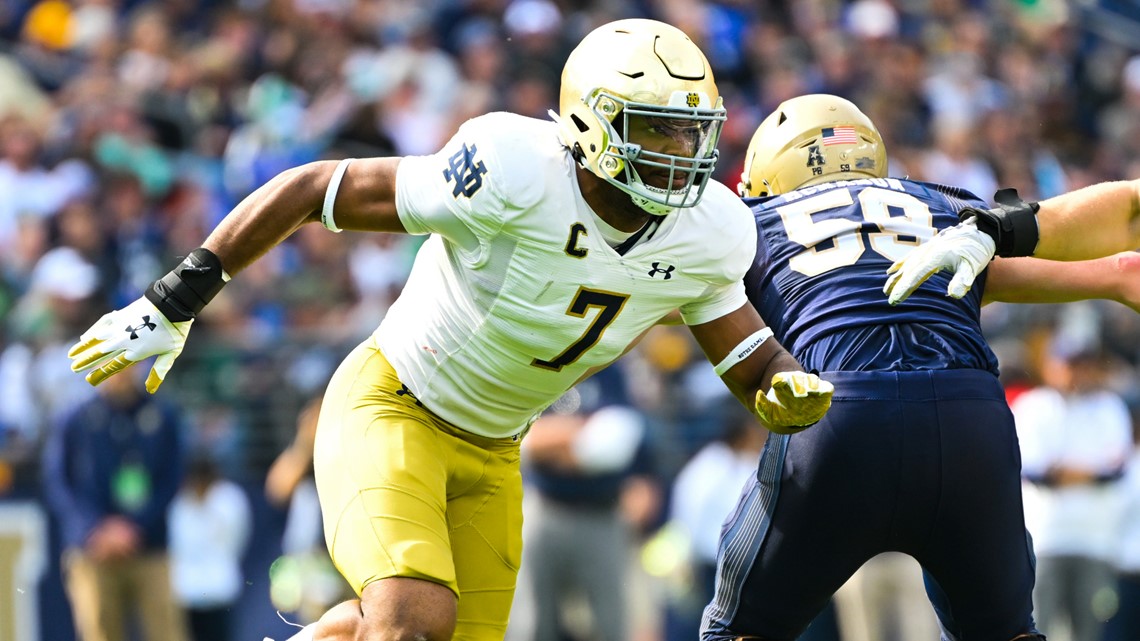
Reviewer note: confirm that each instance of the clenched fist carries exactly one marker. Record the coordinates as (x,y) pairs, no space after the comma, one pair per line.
(796,401)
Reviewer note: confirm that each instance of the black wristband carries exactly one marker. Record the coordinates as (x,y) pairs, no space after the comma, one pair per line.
(1012,224)
(183,292)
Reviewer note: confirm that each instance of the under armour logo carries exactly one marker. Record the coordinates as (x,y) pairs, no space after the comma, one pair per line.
(465,171)
(657,269)
(137,328)
(404,391)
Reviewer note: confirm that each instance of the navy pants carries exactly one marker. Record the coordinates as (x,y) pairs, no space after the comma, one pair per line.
(924,463)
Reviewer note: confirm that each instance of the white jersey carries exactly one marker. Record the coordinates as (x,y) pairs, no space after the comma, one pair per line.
(516,295)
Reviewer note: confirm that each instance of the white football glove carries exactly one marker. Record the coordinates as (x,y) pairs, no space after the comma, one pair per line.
(962,249)
(796,401)
(126,336)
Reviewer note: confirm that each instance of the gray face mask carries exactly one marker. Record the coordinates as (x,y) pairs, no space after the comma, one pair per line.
(662,157)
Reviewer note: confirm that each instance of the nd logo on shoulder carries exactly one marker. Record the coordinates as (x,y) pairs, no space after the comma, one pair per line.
(465,171)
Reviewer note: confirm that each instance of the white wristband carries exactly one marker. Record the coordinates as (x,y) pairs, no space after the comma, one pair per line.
(330,196)
(741,351)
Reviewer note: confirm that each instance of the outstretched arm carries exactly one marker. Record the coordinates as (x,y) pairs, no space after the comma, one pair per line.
(1091,222)
(1088,223)
(365,200)
(358,195)
(1032,280)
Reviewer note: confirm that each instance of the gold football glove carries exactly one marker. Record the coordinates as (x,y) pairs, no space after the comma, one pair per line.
(795,402)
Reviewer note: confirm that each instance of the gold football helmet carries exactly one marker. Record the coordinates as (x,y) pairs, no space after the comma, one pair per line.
(642,69)
(809,140)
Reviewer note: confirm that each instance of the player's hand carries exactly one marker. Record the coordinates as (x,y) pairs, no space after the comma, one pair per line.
(796,401)
(126,336)
(962,249)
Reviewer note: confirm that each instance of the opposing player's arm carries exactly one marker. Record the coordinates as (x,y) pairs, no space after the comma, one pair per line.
(1033,280)
(761,373)
(1088,223)
(363,199)
(1091,222)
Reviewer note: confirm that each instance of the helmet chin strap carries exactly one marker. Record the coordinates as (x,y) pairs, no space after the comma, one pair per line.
(654,209)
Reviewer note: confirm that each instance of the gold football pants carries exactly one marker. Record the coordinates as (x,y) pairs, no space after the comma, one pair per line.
(404,493)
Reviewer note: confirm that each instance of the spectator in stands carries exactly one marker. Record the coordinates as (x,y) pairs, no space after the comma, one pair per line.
(111,468)
(591,491)
(210,523)
(1076,437)
(700,504)
(1125,623)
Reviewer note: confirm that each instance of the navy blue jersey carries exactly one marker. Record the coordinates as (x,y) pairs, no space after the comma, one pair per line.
(820,267)
(918,453)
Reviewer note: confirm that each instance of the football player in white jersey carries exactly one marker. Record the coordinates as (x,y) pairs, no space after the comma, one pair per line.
(554,247)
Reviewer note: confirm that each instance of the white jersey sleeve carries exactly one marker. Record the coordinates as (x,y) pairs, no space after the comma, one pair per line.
(718,301)
(449,193)
(461,191)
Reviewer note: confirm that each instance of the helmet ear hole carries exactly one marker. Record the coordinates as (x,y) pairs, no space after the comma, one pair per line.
(579,123)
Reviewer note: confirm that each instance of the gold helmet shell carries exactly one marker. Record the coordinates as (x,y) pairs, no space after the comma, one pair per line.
(640,68)
(808,140)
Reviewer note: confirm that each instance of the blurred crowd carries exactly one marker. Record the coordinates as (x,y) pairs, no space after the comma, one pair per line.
(129,128)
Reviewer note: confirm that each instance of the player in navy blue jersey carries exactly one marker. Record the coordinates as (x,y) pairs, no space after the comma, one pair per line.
(918,453)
